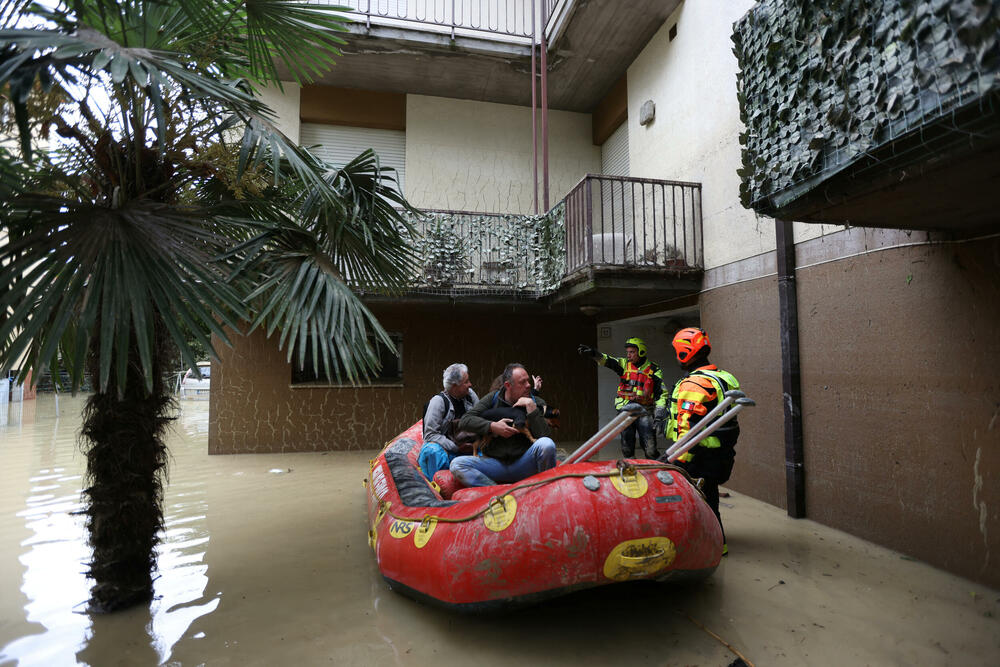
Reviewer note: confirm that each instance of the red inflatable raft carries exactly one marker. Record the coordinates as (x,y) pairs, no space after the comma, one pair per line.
(571,527)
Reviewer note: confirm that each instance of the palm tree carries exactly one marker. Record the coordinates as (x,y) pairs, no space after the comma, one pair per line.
(171,204)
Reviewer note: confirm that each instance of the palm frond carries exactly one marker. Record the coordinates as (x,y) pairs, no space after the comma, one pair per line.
(79,270)
(365,230)
(302,295)
(302,35)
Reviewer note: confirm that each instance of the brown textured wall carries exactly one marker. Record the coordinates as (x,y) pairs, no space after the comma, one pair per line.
(254,408)
(742,321)
(901,397)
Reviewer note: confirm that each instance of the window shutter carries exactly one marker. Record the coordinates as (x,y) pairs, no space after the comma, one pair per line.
(340,144)
(614,152)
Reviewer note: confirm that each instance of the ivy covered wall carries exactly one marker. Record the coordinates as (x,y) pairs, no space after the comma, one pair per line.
(823,85)
(461,253)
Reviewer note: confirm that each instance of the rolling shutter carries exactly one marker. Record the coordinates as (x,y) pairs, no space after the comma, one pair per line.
(340,144)
(614,152)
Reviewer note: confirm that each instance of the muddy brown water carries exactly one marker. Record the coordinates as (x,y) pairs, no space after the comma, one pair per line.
(265,562)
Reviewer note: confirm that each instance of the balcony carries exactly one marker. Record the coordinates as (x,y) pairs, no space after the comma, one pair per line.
(488,256)
(503,20)
(612,242)
(886,116)
(628,238)
(481,49)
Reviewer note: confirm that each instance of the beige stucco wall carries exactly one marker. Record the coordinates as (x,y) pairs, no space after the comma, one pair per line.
(285,103)
(695,133)
(477,156)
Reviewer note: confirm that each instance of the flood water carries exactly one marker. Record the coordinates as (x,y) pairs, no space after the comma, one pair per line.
(265,561)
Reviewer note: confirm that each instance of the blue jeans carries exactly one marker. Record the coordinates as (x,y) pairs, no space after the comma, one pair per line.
(487,471)
(434,457)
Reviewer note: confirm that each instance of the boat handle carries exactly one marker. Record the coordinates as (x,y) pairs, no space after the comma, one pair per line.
(640,560)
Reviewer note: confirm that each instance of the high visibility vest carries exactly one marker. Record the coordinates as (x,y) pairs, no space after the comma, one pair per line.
(694,396)
(636,385)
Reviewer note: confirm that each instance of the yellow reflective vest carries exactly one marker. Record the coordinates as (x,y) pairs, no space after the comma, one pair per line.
(693,397)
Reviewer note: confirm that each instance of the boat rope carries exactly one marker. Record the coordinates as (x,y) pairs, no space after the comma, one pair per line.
(621,468)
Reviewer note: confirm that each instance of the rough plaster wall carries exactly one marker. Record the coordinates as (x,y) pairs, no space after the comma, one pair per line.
(476,156)
(695,134)
(900,355)
(254,409)
(286,106)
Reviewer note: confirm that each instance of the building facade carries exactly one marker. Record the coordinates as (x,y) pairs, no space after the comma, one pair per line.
(881,420)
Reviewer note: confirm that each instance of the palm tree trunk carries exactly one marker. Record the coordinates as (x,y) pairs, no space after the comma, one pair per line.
(123,440)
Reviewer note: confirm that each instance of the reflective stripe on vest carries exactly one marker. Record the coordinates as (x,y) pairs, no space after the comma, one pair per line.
(636,384)
(722,381)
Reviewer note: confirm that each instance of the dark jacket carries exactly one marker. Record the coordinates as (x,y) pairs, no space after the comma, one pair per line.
(509,449)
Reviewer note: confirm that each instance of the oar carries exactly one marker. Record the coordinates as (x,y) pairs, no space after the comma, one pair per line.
(730,397)
(606,434)
(687,443)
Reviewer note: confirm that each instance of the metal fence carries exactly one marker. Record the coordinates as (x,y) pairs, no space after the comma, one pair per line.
(460,252)
(633,222)
(604,222)
(497,17)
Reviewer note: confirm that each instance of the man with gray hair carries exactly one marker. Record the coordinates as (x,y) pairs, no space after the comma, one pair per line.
(440,417)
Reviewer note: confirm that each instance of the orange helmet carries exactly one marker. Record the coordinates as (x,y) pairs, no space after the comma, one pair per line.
(688,342)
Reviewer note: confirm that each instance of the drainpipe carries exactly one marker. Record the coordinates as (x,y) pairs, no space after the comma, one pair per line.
(545,109)
(534,106)
(795,486)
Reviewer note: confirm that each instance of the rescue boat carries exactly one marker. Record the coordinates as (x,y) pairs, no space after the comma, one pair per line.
(575,526)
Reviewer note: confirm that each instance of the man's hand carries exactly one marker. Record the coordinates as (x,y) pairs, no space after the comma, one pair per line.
(504,428)
(659,418)
(586,351)
(536,381)
(527,403)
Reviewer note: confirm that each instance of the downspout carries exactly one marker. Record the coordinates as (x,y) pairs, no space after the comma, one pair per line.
(534,106)
(545,108)
(791,388)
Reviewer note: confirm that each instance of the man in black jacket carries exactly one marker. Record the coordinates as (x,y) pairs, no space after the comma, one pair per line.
(511,454)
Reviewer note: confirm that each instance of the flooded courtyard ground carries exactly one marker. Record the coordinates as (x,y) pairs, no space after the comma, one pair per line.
(265,561)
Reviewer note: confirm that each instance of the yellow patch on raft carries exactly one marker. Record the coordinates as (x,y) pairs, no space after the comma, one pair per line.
(424,531)
(500,513)
(630,485)
(635,559)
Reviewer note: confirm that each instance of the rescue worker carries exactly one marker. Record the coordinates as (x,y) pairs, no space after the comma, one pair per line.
(640,381)
(694,396)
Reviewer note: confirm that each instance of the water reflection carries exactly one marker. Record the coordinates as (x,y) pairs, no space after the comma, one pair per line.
(265,568)
(54,554)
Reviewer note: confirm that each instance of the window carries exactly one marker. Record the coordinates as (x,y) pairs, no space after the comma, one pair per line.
(390,366)
(340,144)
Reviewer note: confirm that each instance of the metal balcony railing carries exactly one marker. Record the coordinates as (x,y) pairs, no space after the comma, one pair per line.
(605,222)
(460,252)
(505,18)
(615,221)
